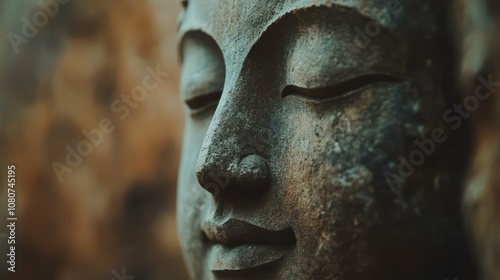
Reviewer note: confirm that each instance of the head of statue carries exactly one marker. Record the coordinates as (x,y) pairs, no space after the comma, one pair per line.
(319,142)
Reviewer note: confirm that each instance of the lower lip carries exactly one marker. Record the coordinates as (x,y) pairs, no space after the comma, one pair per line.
(243,257)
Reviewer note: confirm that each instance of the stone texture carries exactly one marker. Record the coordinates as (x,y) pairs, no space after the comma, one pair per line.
(366,168)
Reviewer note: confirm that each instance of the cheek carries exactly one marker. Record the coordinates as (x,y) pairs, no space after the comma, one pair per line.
(329,179)
(191,198)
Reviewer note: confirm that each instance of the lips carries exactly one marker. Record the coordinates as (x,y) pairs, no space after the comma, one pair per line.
(239,245)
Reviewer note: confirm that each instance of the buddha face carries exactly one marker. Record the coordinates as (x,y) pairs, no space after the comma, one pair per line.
(301,116)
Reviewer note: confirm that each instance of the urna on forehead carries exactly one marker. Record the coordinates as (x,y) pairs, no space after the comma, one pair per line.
(236,25)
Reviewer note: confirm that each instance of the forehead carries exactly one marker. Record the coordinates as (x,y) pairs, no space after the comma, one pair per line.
(245,20)
(237,25)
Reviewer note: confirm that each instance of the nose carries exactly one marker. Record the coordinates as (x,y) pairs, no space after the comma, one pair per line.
(233,157)
(253,172)
(250,175)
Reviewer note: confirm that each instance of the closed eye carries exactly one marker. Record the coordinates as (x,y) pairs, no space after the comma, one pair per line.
(341,88)
(204,101)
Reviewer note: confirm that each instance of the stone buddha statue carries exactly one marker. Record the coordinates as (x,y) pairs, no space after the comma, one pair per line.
(321,141)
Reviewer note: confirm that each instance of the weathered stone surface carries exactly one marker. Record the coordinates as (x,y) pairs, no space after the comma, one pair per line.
(357,162)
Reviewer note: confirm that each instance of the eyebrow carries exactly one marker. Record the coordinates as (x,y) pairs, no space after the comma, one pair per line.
(344,11)
(280,17)
(341,12)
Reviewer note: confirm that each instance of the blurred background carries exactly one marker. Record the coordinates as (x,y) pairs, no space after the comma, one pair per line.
(63,64)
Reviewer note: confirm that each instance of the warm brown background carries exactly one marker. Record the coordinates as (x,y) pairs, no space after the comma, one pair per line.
(117,209)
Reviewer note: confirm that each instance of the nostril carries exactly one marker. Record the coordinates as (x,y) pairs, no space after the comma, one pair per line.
(253,172)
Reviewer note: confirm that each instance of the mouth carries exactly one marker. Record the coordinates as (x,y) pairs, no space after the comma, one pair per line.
(238,245)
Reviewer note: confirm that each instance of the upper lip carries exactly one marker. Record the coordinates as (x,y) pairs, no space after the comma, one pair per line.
(234,232)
